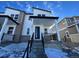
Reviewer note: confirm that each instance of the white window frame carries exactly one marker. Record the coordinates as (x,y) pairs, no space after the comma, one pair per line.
(13,28)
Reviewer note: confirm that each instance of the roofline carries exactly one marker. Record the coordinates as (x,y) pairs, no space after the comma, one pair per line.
(44,17)
(9,18)
(68,17)
(41,9)
(18,10)
(15,9)
(29,13)
(75,16)
(64,18)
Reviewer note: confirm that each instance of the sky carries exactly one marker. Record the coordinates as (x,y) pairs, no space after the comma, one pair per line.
(60,9)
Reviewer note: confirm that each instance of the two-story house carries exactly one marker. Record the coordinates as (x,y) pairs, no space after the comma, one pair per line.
(37,22)
(3,21)
(69,25)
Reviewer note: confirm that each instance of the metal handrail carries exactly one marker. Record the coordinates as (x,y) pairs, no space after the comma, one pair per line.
(42,37)
(31,41)
(29,46)
(26,50)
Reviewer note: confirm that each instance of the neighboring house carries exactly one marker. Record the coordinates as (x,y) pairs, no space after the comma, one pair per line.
(37,22)
(69,26)
(3,21)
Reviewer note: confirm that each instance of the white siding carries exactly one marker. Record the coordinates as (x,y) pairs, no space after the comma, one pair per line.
(11,11)
(36,12)
(27,24)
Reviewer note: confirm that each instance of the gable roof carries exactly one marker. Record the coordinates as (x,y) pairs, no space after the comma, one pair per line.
(18,10)
(41,9)
(15,9)
(9,18)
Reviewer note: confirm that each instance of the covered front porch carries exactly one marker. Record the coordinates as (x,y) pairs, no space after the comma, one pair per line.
(44,25)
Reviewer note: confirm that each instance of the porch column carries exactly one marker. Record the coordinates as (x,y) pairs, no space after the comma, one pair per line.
(3,28)
(57,30)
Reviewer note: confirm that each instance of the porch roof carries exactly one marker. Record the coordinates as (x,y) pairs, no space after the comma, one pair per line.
(9,18)
(45,17)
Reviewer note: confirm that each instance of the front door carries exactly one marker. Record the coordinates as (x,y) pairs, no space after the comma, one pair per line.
(37,32)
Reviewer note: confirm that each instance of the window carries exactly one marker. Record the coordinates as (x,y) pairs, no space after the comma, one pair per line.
(28,31)
(43,15)
(45,30)
(12,15)
(10,30)
(16,16)
(39,14)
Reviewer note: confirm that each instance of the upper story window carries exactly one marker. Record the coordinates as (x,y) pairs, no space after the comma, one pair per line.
(10,30)
(16,16)
(43,15)
(39,14)
(28,31)
(12,15)
(70,21)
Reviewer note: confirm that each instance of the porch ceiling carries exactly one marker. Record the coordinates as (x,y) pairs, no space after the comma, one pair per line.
(44,22)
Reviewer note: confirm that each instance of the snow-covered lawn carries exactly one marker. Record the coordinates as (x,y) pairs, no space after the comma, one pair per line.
(76,49)
(16,47)
(13,50)
(55,53)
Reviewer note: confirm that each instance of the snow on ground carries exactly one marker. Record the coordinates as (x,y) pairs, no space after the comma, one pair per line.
(55,53)
(76,50)
(16,47)
(13,50)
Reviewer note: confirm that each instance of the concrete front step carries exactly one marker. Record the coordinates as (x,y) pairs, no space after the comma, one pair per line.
(37,53)
(37,50)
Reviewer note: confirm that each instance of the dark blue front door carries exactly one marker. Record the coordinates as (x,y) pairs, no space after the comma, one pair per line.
(37,32)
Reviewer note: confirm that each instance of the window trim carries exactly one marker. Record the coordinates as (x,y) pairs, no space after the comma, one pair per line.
(43,15)
(16,16)
(12,15)
(10,29)
(39,15)
(14,27)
